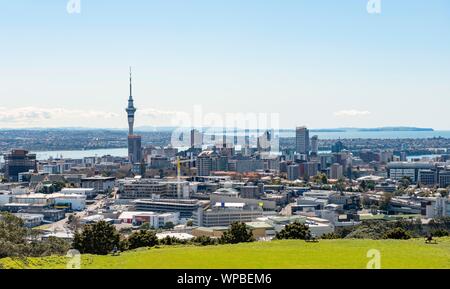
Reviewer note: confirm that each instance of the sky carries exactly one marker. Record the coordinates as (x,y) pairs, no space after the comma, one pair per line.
(319,63)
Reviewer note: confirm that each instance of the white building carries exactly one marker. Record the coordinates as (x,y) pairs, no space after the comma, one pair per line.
(436,207)
(5,197)
(88,192)
(31,220)
(74,201)
(154,220)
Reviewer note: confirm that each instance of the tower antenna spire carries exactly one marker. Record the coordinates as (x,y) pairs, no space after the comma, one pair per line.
(131,88)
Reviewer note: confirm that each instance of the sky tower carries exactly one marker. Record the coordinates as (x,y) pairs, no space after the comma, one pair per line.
(134,141)
(130,109)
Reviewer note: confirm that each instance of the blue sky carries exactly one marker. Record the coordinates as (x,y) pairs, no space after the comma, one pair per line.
(320,63)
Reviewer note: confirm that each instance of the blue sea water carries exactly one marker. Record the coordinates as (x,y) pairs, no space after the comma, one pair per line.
(350,134)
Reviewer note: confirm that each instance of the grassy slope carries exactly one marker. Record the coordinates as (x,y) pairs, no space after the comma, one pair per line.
(267,255)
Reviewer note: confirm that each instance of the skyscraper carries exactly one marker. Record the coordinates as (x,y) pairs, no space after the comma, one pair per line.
(18,161)
(134,141)
(302,140)
(315,145)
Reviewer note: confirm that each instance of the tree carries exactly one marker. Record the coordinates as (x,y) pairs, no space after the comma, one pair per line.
(48,247)
(190,223)
(100,239)
(12,236)
(398,234)
(204,241)
(142,238)
(440,233)
(404,183)
(340,185)
(146,226)
(296,231)
(385,201)
(18,241)
(169,226)
(320,178)
(237,233)
(330,236)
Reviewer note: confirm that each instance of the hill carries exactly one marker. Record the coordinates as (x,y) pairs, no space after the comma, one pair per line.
(264,255)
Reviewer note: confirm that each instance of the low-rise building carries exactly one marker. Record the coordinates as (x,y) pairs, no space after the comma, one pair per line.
(224,214)
(30,220)
(99,184)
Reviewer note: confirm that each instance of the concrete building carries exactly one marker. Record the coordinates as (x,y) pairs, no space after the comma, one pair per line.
(196,139)
(184,207)
(72,202)
(247,165)
(224,214)
(227,195)
(206,163)
(30,220)
(153,189)
(302,140)
(444,179)
(293,172)
(154,220)
(315,145)
(436,207)
(89,193)
(427,177)
(399,170)
(5,197)
(336,171)
(99,184)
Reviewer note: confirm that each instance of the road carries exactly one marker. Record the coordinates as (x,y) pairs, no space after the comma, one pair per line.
(62,226)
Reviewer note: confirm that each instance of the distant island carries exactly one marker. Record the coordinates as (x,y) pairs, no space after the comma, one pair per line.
(400,128)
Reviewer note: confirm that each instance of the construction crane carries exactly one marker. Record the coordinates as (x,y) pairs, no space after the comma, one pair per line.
(179,162)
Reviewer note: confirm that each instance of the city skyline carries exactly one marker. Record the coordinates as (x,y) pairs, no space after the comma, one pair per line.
(351,67)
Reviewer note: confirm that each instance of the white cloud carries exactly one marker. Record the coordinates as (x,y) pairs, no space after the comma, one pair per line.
(351,113)
(36,116)
(30,116)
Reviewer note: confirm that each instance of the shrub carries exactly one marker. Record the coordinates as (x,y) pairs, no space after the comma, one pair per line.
(440,233)
(237,233)
(142,238)
(204,241)
(100,239)
(398,234)
(295,230)
(330,236)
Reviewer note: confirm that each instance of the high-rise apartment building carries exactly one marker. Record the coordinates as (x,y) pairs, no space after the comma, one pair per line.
(315,145)
(302,140)
(18,161)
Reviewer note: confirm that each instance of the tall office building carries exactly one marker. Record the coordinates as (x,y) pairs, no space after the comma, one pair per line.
(196,139)
(134,141)
(315,145)
(264,141)
(302,140)
(18,161)
(206,163)
(336,171)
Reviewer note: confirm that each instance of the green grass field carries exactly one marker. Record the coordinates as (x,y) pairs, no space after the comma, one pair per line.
(332,254)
